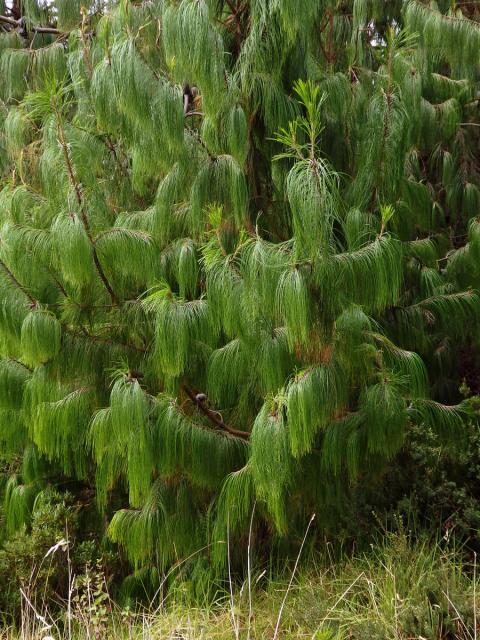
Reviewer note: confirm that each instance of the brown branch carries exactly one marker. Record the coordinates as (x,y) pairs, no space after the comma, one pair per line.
(50,30)
(83,215)
(233,9)
(19,286)
(37,29)
(213,416)
(330,49)
(15,9)
(85,334)
(10,21)
(238,24)
(109,144)
(21,364)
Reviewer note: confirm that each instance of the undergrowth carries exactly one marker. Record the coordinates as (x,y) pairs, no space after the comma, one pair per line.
(402,589)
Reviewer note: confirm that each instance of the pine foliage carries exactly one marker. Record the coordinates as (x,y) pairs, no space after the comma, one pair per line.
(239,255)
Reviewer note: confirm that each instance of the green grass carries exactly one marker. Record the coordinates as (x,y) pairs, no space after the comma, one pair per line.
(398,591)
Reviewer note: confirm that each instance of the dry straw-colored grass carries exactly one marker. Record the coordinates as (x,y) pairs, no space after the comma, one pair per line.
(399,591)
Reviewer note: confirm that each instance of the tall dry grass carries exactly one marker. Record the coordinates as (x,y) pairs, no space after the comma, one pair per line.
(400,590)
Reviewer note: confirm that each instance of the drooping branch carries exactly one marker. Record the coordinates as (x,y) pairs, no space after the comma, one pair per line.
(18,284)
(213,416)
(84,334)
(236,19)
(83,216)
(447,18)
(16,24)
(10,21)
(111,147)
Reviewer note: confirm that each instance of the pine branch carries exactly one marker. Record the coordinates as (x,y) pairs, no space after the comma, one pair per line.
(60,286)
(33,301)
(213,416)
(285,321)
(21,364)
(443,16)
(83,215)
(232,7)
(111,147)
(10,21)
(37,29)
(95,338)
(86,53)
(117,231)
(236,13)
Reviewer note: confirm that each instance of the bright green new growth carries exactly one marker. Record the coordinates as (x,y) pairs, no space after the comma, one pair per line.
(239,255)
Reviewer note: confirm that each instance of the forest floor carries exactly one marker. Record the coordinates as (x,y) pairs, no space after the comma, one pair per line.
(398,591)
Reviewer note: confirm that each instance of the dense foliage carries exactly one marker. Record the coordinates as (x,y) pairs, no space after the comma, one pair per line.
(239,255)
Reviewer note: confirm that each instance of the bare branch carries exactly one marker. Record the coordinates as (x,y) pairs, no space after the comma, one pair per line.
(213,416)
(37,29)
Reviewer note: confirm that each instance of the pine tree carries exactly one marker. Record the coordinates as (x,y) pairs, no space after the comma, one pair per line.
(239,253)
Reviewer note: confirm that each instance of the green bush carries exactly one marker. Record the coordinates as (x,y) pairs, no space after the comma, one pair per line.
(440,486)
(37,560)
